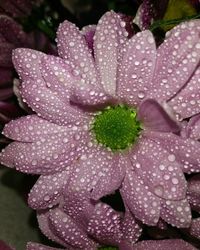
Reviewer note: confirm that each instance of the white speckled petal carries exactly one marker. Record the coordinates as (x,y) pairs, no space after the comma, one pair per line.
(45,227)
(139,199)
(177,58)
(130,228)
(109,36)
(49,155)
(68,231)
(176,213)
(48,190)
(159,170)
(32,128)
(194,229)
(136,69)
(36,93)
(176,244)
(186,151)
(193,127)
(104,225)
(186,103)
(72,46)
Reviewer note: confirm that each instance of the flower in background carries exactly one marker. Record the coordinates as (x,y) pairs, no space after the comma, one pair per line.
(150,11)
(106,120)
(18,8)
(98,225)
(4,246)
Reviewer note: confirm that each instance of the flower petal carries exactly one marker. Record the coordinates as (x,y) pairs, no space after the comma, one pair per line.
(193,127)
(141,202)
(109,36)
(32,128)
(154,117)
(35,92)
(67,230)
(130,228)
(73,46)
(37,246)
(186,102)
(186,151)
(137,67)
(194,229)
(159,170)
(45,227)
(177,58)
(49,155)
(104,225)
(163,244)
(176,213)
(48,190)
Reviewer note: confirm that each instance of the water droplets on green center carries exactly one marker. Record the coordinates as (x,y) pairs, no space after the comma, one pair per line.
(117,127)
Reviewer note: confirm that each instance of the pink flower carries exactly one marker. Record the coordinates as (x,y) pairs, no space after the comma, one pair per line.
(109,121)
(98,225)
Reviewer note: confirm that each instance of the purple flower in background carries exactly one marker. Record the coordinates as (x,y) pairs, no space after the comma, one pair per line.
(108,119)
(18,8)
(101,225)
(4,246)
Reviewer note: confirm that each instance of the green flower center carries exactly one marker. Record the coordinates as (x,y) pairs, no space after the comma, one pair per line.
(117,127)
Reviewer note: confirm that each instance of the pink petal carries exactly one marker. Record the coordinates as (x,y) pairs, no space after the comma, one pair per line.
(104,225)
(194,229)
(36,93)
(193,127)
(137,67)
(32,128)
(185,151)
(175,244)
(67,230)
(141,202)
(177,58)
(45,227)
(176,213)
(37,246)
(73,46)
(186,102)
(48,190)
(153,116)
(49,155)
(130,228)
(109,36)
(159,170)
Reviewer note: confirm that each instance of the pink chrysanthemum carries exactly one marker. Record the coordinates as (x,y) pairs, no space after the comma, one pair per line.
(106,119)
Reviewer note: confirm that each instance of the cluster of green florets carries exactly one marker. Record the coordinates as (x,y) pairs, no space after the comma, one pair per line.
(117,127)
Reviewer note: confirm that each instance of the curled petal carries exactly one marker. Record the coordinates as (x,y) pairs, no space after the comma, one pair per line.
(154,117)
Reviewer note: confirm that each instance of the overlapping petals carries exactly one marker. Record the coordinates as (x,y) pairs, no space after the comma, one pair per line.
(67,92)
